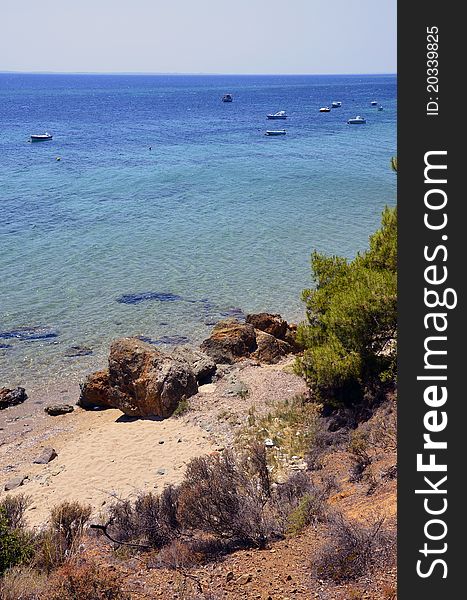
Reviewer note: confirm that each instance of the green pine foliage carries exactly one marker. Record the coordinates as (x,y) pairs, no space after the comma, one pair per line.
(350,333)
(15,547)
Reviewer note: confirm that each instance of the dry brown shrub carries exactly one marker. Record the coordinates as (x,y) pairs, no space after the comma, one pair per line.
(70,518)
(85,581)
(151,520)
(178,555)
(61,540)
(353,549)
(222,495)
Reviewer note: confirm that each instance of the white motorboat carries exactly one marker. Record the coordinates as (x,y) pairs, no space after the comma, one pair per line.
(227,98)
(278,115)
(358,120)
(276,132)
(380,107)
(325,109)
(374,103)
(41,137)
(336,104)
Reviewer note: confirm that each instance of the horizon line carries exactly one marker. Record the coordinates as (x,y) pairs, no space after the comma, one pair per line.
(181,73)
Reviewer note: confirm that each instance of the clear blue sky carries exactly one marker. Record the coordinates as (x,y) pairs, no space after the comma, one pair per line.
(193,36)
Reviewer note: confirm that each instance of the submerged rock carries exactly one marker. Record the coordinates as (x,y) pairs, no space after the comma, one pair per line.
(233,312)
(168,340)
(29,333)
(141,381)
(230,341)
(148,296)
(74,351)
(12,397)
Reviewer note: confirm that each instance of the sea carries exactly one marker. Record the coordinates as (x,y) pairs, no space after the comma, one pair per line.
(157,209)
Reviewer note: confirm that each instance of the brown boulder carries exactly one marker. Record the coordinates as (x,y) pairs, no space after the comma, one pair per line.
(95,391)
(269,323)
(270,349)
(230,341)
(46,456)
(141,381)
(12,397)
(14,483)
(200,363)
(291,338)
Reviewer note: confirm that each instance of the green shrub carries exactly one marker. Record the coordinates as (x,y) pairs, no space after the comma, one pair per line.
(182,407)
(350,333)
(310,509)
(15,546)
(14,508)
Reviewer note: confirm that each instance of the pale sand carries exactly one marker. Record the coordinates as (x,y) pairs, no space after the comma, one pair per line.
(109,456)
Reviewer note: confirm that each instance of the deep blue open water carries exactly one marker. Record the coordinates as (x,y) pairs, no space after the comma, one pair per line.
(115,239)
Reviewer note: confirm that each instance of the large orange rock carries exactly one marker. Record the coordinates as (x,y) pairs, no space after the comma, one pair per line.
(95,391)
(230,341)
(141,381)
(269,323)
(270,349)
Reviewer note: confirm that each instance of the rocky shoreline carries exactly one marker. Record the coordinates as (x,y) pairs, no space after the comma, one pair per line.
(143,381)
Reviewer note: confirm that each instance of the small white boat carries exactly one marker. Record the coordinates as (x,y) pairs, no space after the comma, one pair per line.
(336,104)
(41,137)
(278,115)
(357,121)
(380,107)
(227,98)
(325,109)
(276,132)
(374,103)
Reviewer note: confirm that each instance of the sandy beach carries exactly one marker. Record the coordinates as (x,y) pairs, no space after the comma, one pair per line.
(104,455)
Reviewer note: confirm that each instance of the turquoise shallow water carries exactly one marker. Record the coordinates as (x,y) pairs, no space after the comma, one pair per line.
(217,215)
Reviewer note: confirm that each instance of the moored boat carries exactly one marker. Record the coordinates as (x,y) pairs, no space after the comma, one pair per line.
(336,104)
(380,107)
(278,115)
(276,132)
(358,120)
(374,103)
(325,109)
(41,137)
(227,98)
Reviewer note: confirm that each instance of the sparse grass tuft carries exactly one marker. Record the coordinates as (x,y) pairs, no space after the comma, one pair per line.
(182,408)
(23,583)
(291,425)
